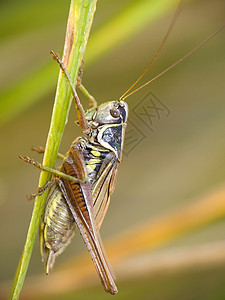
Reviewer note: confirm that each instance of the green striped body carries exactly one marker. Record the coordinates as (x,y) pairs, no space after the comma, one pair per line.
(57,226)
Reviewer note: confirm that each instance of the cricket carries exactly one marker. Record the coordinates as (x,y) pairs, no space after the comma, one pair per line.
(79,192)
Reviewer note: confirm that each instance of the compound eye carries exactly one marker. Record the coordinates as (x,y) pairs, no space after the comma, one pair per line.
(115,112)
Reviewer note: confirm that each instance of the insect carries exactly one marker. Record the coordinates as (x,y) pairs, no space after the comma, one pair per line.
(79,194)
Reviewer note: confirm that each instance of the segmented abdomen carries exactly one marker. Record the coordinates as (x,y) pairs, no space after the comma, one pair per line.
(57,226)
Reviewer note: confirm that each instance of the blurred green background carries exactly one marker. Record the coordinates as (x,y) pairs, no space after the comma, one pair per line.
(177,163)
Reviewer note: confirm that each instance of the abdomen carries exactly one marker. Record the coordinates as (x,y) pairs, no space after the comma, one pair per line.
(57,226)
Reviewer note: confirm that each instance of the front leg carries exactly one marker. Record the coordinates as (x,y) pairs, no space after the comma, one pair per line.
(92,102)
(91,99)
(80,110)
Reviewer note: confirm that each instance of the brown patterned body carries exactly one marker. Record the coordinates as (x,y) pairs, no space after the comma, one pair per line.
(93,161)
(80,201)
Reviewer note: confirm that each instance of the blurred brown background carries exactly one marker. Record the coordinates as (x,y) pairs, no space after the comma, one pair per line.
(180,161)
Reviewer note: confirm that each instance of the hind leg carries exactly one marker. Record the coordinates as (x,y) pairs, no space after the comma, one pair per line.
(41,189)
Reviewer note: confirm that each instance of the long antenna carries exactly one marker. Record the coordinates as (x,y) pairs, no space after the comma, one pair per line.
(176,63)
(177,12)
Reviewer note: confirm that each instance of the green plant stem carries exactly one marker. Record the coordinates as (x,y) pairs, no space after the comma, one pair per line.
(124,25)
(78,28)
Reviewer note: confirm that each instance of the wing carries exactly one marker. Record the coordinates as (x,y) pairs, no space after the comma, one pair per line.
(103,187)
(80,201)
